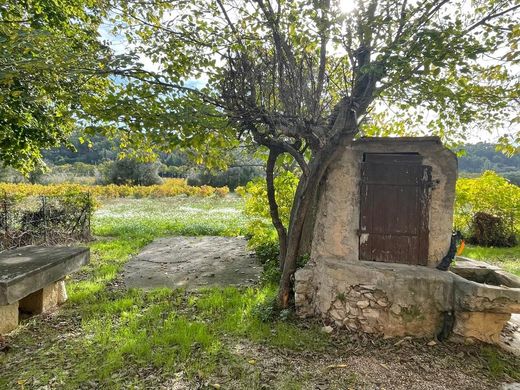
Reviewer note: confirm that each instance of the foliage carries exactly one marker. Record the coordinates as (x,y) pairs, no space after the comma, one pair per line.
(232,177)
(92,150)
(133,172)
(480,157)
(260,229)
(51,74)
(488,230)
(490,194)
(94,157)
(425,55)
(169,188)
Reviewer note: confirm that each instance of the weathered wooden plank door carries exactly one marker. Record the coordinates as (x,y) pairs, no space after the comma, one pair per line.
(394,209)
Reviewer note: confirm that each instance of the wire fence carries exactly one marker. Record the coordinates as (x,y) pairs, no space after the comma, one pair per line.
(44,220)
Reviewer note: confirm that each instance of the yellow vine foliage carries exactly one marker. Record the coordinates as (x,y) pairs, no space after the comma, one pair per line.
(489,193)
(169,188)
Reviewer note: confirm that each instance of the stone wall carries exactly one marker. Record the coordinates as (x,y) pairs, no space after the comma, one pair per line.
(386,298)
(390,299)
(399,299)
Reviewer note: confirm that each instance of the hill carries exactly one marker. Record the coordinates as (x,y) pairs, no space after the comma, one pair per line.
(482,157)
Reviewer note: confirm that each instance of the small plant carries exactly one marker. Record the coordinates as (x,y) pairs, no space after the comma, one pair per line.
(411,313)
(341,297)
(302,260)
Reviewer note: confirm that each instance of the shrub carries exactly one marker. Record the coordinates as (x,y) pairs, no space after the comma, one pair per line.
(490,194)
(232,177)
(488,230)
(133,172)
(261,229)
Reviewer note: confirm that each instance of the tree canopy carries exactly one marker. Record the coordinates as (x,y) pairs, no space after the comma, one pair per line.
(48,52)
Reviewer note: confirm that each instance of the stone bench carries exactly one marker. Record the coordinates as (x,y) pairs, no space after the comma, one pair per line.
(32,280)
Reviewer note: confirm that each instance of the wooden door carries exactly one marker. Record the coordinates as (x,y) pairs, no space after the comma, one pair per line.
(394,209)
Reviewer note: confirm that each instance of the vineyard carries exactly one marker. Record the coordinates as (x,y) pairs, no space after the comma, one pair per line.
(169,188)
(59,213)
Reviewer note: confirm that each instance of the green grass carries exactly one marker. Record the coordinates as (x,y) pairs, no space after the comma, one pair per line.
(507,258)
(108,337)
(111,335)
(499,364)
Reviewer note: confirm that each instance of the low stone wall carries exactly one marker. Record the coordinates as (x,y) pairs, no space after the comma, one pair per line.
(398,299)
(391,299)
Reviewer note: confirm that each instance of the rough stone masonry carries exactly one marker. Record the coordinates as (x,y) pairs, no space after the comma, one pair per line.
(391,298)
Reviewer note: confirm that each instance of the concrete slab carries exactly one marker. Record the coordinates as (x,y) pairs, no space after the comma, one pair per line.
(192,262)
(29,269)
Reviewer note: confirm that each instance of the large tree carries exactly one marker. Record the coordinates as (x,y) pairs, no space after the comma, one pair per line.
(304,78)
(49,51)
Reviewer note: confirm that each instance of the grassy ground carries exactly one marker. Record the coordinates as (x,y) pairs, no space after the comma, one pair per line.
(507,258)
(108,337)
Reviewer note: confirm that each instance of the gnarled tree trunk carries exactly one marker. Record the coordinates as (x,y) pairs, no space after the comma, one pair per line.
(305,196)
(273,205)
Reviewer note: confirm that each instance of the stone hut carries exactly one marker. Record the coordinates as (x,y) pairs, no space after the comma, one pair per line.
(383,223)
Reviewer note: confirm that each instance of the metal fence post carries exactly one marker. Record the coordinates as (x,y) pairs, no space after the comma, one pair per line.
(89,209)
(6,217)
(44,208)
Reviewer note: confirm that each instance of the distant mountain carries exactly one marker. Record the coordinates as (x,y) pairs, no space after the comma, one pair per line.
(483,157)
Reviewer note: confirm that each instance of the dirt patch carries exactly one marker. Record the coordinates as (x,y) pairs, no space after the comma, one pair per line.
(359,363)
(193,262)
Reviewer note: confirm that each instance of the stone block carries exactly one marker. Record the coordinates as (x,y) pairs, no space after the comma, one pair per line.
(62,292)
(303,275)
(337,315)
(42,300)
(482,326)
(371,314)
(363,304)
(8,318)
(301,288)
(396,309)
(369,296)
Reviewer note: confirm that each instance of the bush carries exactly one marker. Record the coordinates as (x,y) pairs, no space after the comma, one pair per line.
(488,230)
(232,178)
(490,194)
(260,228)
(133,172)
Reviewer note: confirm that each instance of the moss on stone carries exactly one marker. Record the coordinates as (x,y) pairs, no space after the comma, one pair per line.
(412,313)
